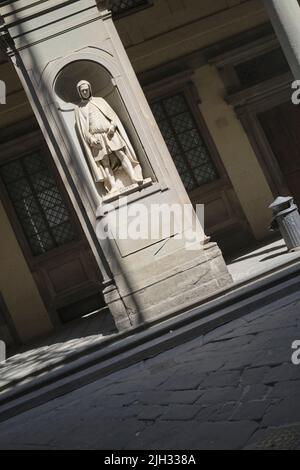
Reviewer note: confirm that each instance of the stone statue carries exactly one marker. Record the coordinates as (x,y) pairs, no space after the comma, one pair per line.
(104,139)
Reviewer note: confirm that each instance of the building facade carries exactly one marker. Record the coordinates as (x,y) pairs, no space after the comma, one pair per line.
(219,86)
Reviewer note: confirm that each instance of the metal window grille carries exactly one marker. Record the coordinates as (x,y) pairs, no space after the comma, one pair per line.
(38,203)
(120,7)
(183,138)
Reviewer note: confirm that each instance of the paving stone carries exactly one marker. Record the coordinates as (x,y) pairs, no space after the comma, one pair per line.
(183,436)
(255,392)
(134,386)
(282,373)
(218,412)
(220,395)
(167,397)
(109,437)
(205,363)
(149,413)
(285,389)
(221,379)
(250,410)
(286,411)
(240,360)
(154,436)
(180,413)
(260,326)
(273,356)
(281,337)
(183,382)
(254,375)
(117,413)
(240,342)
(224,435)
(157,367)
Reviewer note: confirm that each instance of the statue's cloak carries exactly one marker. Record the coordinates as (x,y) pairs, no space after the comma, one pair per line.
(82,127)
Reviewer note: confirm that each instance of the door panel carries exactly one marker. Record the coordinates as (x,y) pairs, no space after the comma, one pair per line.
(48,231)
(68,277)
(224,219)
(281,126)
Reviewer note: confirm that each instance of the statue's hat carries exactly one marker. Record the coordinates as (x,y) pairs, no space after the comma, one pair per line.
(83,82)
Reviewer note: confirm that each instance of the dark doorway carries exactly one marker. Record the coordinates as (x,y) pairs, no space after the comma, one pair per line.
(281,126)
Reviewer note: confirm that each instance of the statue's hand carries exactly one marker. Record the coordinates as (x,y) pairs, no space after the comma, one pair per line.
(111,132)
(96,142)
(99,146)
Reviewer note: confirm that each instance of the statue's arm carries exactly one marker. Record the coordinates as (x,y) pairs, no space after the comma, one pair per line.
(110,114)
(91,140)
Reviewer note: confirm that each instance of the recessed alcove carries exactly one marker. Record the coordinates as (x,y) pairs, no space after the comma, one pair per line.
(70,75)
(65,89)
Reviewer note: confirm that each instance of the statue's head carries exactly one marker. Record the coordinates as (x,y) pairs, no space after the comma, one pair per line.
(84,90)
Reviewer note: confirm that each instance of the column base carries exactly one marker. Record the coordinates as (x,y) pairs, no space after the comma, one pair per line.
(172,282)
(117,308)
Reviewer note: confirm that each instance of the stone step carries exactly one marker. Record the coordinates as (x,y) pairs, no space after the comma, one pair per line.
(148,341)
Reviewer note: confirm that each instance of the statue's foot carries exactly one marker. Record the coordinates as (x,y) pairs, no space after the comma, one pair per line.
(138,181)
(114,189)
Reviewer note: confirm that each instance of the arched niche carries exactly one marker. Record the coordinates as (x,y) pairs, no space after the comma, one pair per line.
(103,86)
(71,74)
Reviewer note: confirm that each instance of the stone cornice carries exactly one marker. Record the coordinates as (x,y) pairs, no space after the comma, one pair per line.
(31,22)
(16,12)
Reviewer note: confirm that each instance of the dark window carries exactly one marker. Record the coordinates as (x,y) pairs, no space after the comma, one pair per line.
(120,7)
(186,145)
(261,68)
(38,203)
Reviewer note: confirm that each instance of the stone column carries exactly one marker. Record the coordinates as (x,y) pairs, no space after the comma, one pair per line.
(285,18)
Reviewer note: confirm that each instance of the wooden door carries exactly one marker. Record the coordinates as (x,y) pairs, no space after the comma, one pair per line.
(48,230)
(281,126)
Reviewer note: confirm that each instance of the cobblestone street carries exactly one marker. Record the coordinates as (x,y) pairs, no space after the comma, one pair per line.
(231,389)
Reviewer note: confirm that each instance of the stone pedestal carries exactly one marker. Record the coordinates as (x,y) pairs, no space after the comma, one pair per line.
(56,44)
